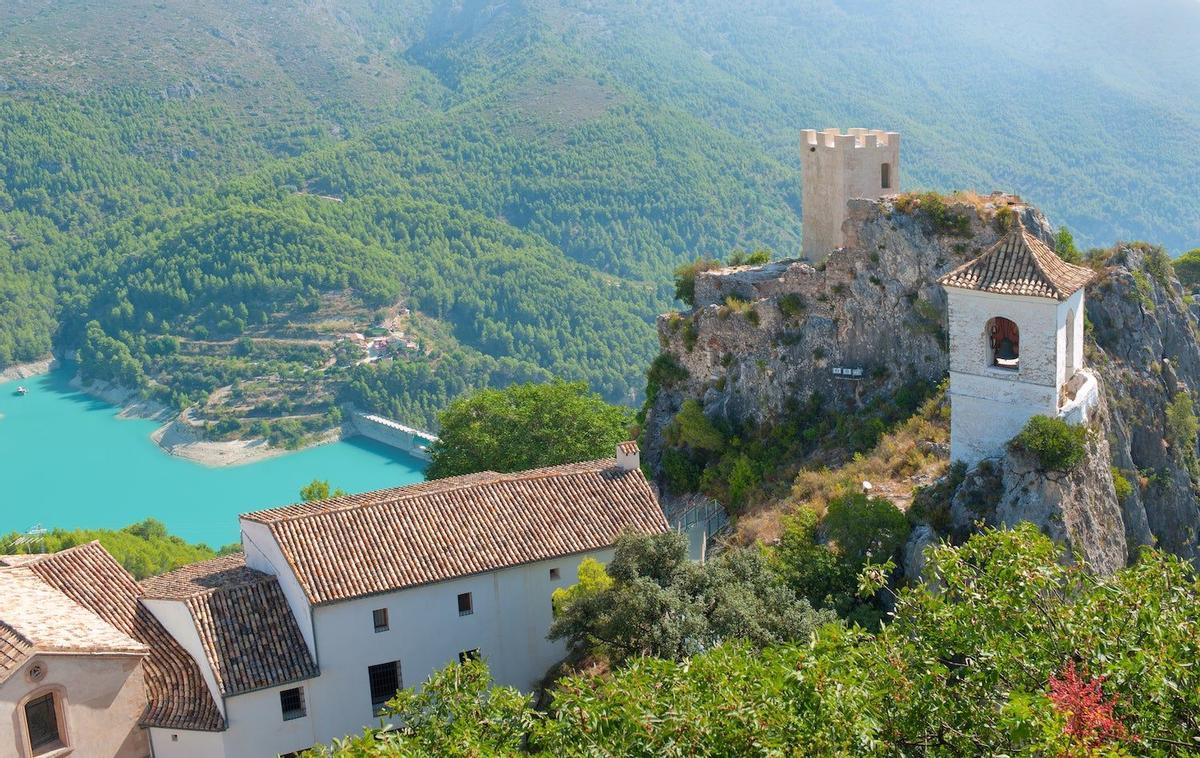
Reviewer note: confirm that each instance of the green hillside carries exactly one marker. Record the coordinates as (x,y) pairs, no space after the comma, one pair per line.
(227,189)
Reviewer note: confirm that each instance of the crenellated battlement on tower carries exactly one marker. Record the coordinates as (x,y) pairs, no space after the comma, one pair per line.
(852,138)
(840,166)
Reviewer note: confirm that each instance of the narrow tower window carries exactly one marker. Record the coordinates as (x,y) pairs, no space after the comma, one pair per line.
(1004,343)
(885,176)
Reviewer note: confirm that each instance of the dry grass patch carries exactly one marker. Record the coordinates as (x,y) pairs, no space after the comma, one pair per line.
(903,460)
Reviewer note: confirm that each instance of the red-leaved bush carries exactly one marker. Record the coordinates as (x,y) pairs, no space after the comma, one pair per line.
(1090,719)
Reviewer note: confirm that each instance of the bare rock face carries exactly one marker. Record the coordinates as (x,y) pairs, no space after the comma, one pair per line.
(1077,508)
(1145,335)
(872,318)
(862,324)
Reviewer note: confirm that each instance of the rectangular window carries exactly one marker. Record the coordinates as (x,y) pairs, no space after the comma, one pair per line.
(469,655)
(385,680)
(464,604)
(291,702)
(554,573)
(41,718)
(381,619)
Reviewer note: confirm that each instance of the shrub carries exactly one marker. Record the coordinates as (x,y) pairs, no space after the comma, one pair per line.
(1005,217)
(1054,444)
(692,428)
(756,258)
(664,371)
(865,529)
(741,307)
(680,471)
(1187,268)
(791,305)
(1121,484)
(1181,426)
(690,335)
(685,278)
(941,218)
(1064,245)
(1158,265)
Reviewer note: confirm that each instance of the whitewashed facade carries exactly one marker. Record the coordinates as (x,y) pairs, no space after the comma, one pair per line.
(1014,288)
(330,608)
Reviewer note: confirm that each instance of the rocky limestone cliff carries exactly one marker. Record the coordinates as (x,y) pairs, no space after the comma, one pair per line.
(1146,350)
(762,337)
(873,309)
(1077,508)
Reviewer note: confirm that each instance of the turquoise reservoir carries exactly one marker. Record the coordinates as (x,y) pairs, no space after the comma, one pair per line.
(66,460)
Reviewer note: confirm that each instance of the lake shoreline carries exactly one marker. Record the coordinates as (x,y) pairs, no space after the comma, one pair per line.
(177,436)
(72,462)
(29,370)
(180,437)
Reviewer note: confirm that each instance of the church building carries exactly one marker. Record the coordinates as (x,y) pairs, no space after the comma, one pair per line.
(1016,344)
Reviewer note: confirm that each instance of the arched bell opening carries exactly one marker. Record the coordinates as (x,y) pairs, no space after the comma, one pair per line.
(1004,343)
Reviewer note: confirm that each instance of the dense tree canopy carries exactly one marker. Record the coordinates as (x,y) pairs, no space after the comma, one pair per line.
(659,603)
(144,549)
(1008,650)
(526,426)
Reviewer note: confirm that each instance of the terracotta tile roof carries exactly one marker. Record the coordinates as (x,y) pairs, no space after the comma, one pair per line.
(387,540)
(195,578)
(1020,264)
(39,618)
(248,632)
(176,693)
(628,448)
(15,649)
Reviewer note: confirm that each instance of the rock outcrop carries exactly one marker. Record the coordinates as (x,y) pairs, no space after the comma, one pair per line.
(1077,508)
(1147,352)
(861,324)
(872,318)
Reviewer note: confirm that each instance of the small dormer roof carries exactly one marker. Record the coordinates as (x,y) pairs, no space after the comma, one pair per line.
(1020,264)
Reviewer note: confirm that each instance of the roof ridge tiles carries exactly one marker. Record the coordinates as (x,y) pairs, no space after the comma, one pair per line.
(1019,263)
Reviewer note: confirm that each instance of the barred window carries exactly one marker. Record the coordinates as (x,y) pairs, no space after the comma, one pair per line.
(465,607)
(291,702)
(41,719)
(380,616)
(469,655)
(385,679)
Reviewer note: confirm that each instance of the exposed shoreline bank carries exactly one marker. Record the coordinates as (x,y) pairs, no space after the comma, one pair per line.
(28,370)
(177,435)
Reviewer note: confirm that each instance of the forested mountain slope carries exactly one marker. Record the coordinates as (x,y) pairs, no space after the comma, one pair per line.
(224,187)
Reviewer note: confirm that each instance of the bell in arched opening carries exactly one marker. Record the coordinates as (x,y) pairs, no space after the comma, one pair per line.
(1006,345)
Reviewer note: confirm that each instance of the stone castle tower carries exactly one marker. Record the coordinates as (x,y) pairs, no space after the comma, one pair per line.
(1016,344)
(838,167)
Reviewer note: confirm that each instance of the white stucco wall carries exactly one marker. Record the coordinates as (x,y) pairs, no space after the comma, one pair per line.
(512,614)
(989,405)
(255,728)
(103,696)
(177,620)
(838,167)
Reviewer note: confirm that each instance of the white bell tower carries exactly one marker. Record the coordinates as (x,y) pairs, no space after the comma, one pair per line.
(1016,344)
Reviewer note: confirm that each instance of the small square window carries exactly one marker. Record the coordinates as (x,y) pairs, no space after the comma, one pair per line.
(554,573)
(291,702)
(469,655)
(380,616)
(465,608)
(385,680)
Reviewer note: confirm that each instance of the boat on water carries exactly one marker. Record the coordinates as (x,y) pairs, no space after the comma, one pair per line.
(21,390)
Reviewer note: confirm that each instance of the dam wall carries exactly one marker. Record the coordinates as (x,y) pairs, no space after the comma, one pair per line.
(394,434)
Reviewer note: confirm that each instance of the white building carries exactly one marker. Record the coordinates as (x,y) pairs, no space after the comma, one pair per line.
(1016,344)
(331,608)
(839,167)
